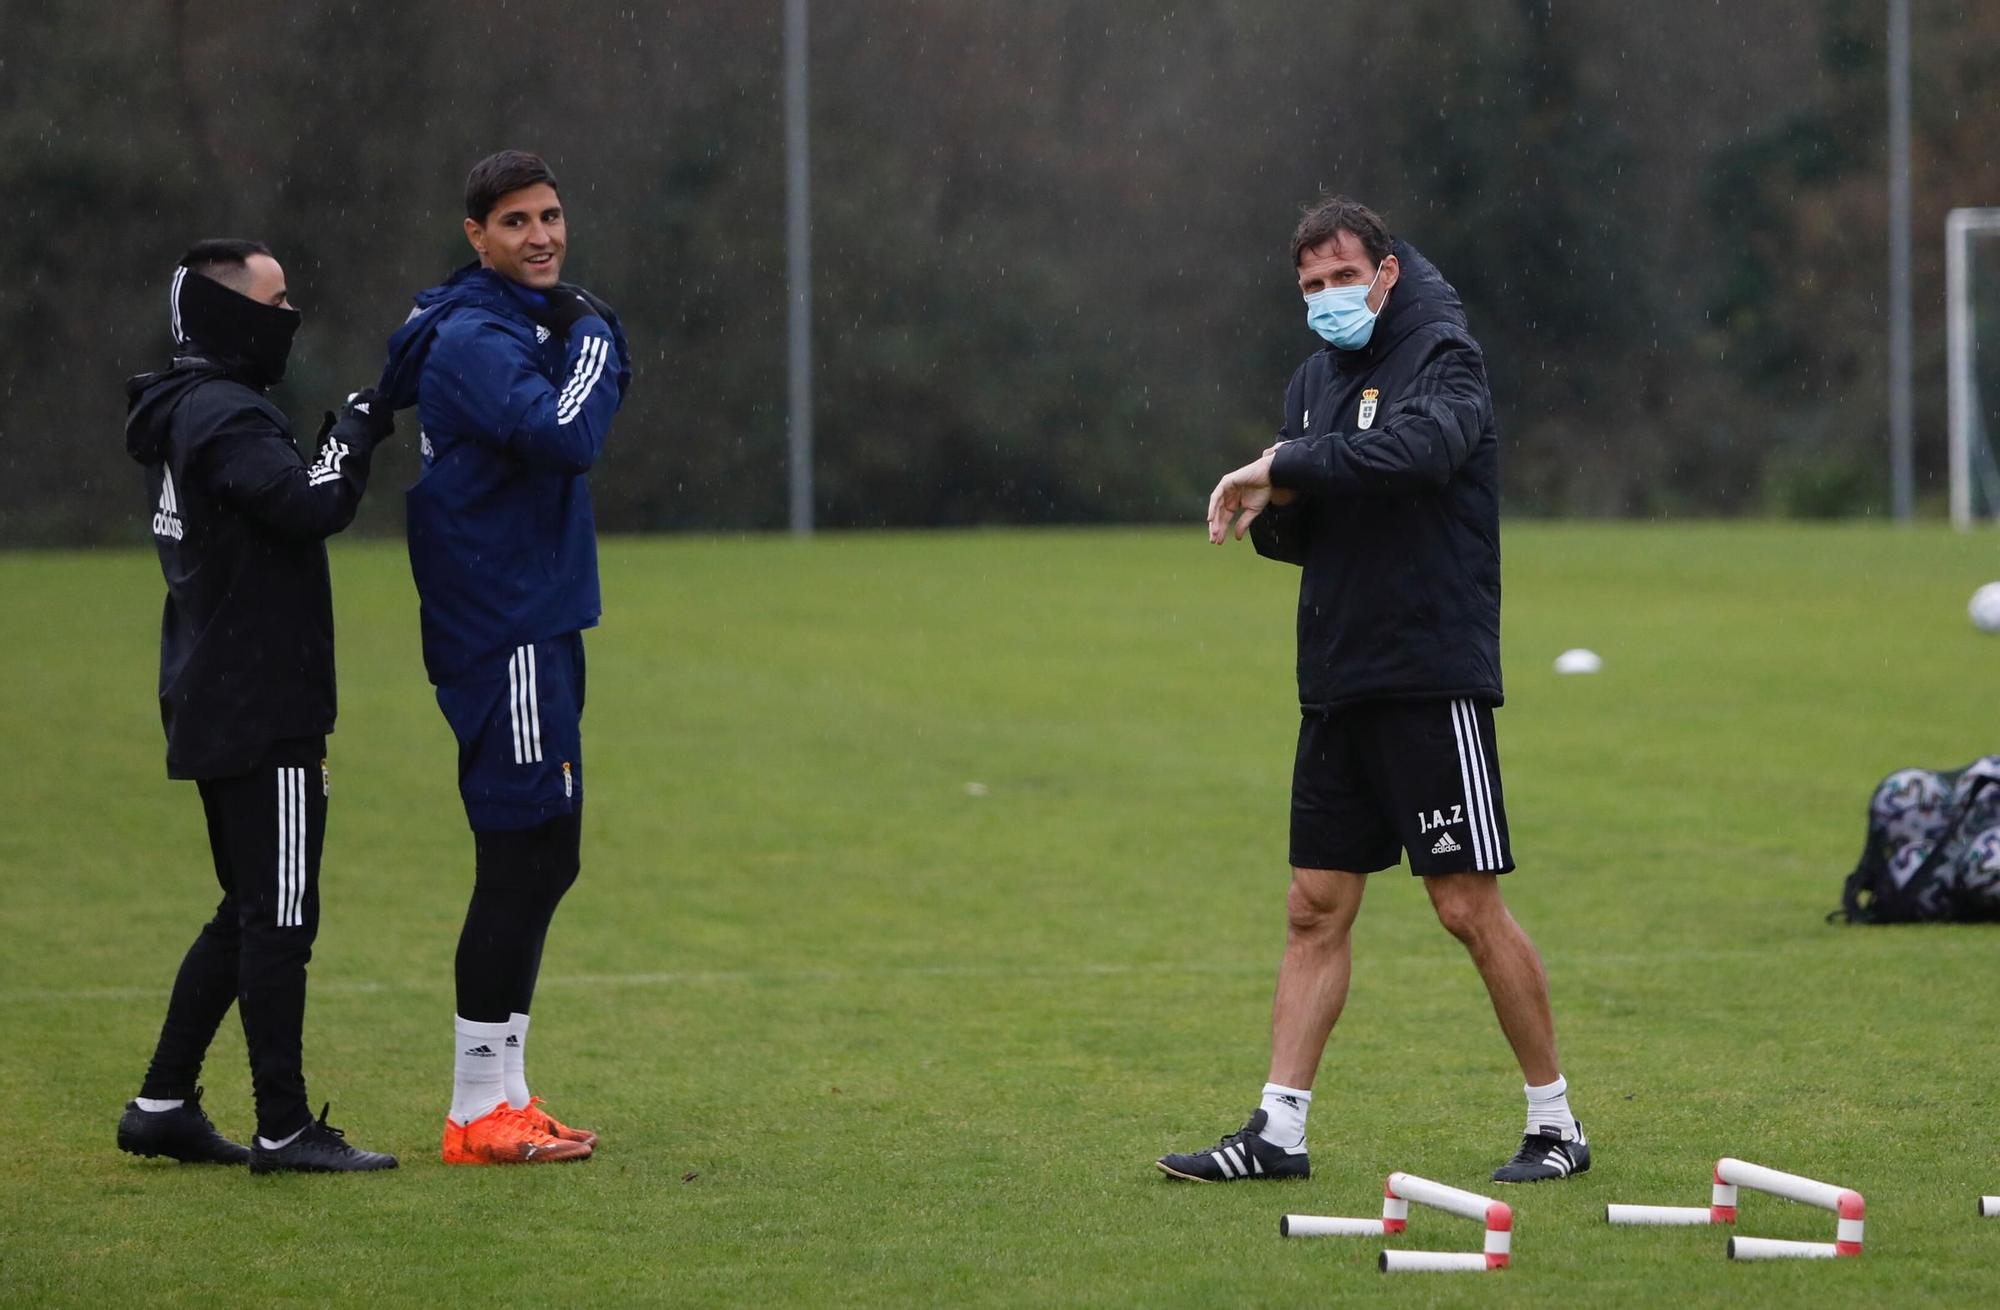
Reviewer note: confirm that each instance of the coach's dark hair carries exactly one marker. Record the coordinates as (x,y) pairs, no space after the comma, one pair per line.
(1332,215)
(226,259)
(496,175)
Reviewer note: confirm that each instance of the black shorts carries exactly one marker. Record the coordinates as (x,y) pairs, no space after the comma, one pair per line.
(1374,780)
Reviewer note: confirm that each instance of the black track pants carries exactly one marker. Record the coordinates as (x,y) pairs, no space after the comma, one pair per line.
(265,829)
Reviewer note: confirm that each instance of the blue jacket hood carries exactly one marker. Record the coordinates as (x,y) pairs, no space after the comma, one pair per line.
(471,287)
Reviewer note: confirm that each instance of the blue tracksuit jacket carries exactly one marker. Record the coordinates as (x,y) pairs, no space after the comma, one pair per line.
(502,544)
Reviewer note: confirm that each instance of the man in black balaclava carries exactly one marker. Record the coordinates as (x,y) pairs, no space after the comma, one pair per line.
(246,691)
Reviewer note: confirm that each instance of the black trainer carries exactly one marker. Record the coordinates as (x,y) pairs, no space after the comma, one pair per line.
(183,1133)
(318,1149)
(1545,1156)
(1243,1154)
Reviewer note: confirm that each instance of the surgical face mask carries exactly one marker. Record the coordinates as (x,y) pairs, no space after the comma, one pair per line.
(1341,314)
(232,326)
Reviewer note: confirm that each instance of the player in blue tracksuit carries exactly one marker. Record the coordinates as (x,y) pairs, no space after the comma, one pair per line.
(515,376)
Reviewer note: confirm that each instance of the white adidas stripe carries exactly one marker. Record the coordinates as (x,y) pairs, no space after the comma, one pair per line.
(590,367)
(534,709)
(1485,788)
(524,705)
(514,702)
(1465,784)
(169,502)
(298,848)
(576,375)
(567,412)
(291,847)
(174,304)
(284,843)
(1478,786)
(596,371)
(585,355)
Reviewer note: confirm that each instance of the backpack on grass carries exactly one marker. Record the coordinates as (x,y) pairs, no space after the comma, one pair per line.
(1933,849)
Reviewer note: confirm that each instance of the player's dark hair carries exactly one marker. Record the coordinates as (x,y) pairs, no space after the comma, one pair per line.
(498,174)
(225,259)
(1332,215)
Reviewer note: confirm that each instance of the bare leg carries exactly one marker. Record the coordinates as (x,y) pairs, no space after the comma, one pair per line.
(1312,980)
(1470,908)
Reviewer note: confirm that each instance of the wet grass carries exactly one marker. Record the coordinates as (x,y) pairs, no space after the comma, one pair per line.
(932,887)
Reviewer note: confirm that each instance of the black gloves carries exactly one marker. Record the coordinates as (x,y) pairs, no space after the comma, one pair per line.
(363,422)
(597,306)
(368,411)
(566,304)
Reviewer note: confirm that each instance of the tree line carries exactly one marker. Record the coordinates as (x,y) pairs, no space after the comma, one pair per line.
(1050,239)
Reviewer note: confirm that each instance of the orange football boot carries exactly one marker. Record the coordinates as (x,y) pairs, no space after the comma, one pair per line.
(555,1127)
(504,1135)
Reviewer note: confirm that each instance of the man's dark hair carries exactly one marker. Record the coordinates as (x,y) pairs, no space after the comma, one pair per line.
(225,259)
(1333,215)
(496,175)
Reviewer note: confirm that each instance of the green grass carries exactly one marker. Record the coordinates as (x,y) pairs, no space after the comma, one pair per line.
(854,1035)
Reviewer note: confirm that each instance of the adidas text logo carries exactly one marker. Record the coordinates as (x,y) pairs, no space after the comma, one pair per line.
(167,519)
(482,1050)
(541,333)
(512,1040)
(1445,845)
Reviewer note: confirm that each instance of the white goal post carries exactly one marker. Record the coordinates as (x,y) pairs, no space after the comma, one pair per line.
(1970,398)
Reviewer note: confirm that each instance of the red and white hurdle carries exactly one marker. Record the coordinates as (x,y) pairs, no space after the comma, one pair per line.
(1731,1174)
(1398,1191)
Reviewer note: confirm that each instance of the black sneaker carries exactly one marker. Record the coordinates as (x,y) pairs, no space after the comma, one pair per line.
(319,1149)
(1544,1156)
(1241,1155)
(183,1133)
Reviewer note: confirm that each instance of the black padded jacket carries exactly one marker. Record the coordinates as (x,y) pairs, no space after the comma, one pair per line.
(239,520)
(1397,523)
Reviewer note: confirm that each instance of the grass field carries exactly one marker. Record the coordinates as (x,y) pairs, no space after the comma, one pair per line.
(858,1032)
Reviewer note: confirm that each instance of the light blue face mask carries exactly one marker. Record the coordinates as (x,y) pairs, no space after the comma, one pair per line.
(1341,314)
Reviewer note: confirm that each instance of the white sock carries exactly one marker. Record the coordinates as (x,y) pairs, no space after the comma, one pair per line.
(155,1106)
(1285,1116)
(516,1060)
(478,1069)
(1548,1107)
(270,1145)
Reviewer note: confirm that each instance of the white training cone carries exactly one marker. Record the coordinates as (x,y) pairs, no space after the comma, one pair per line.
(1579,660)
(1989,1207)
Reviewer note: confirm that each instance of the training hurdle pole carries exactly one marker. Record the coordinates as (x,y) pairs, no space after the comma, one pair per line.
(1395,1217)
(1845,1202)
(1497,1216)
(1398,1191)
(1721,1209)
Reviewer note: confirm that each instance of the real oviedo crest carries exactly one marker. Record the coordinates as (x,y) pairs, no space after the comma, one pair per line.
(1366,418)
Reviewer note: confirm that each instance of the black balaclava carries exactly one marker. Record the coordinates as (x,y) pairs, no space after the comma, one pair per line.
(231,326)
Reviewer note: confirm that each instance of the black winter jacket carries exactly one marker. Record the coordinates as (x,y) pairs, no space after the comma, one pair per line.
(239,519)
(1392,451)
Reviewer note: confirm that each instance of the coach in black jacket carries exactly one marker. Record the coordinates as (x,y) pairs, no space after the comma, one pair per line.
(246,691)
(1383,485)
